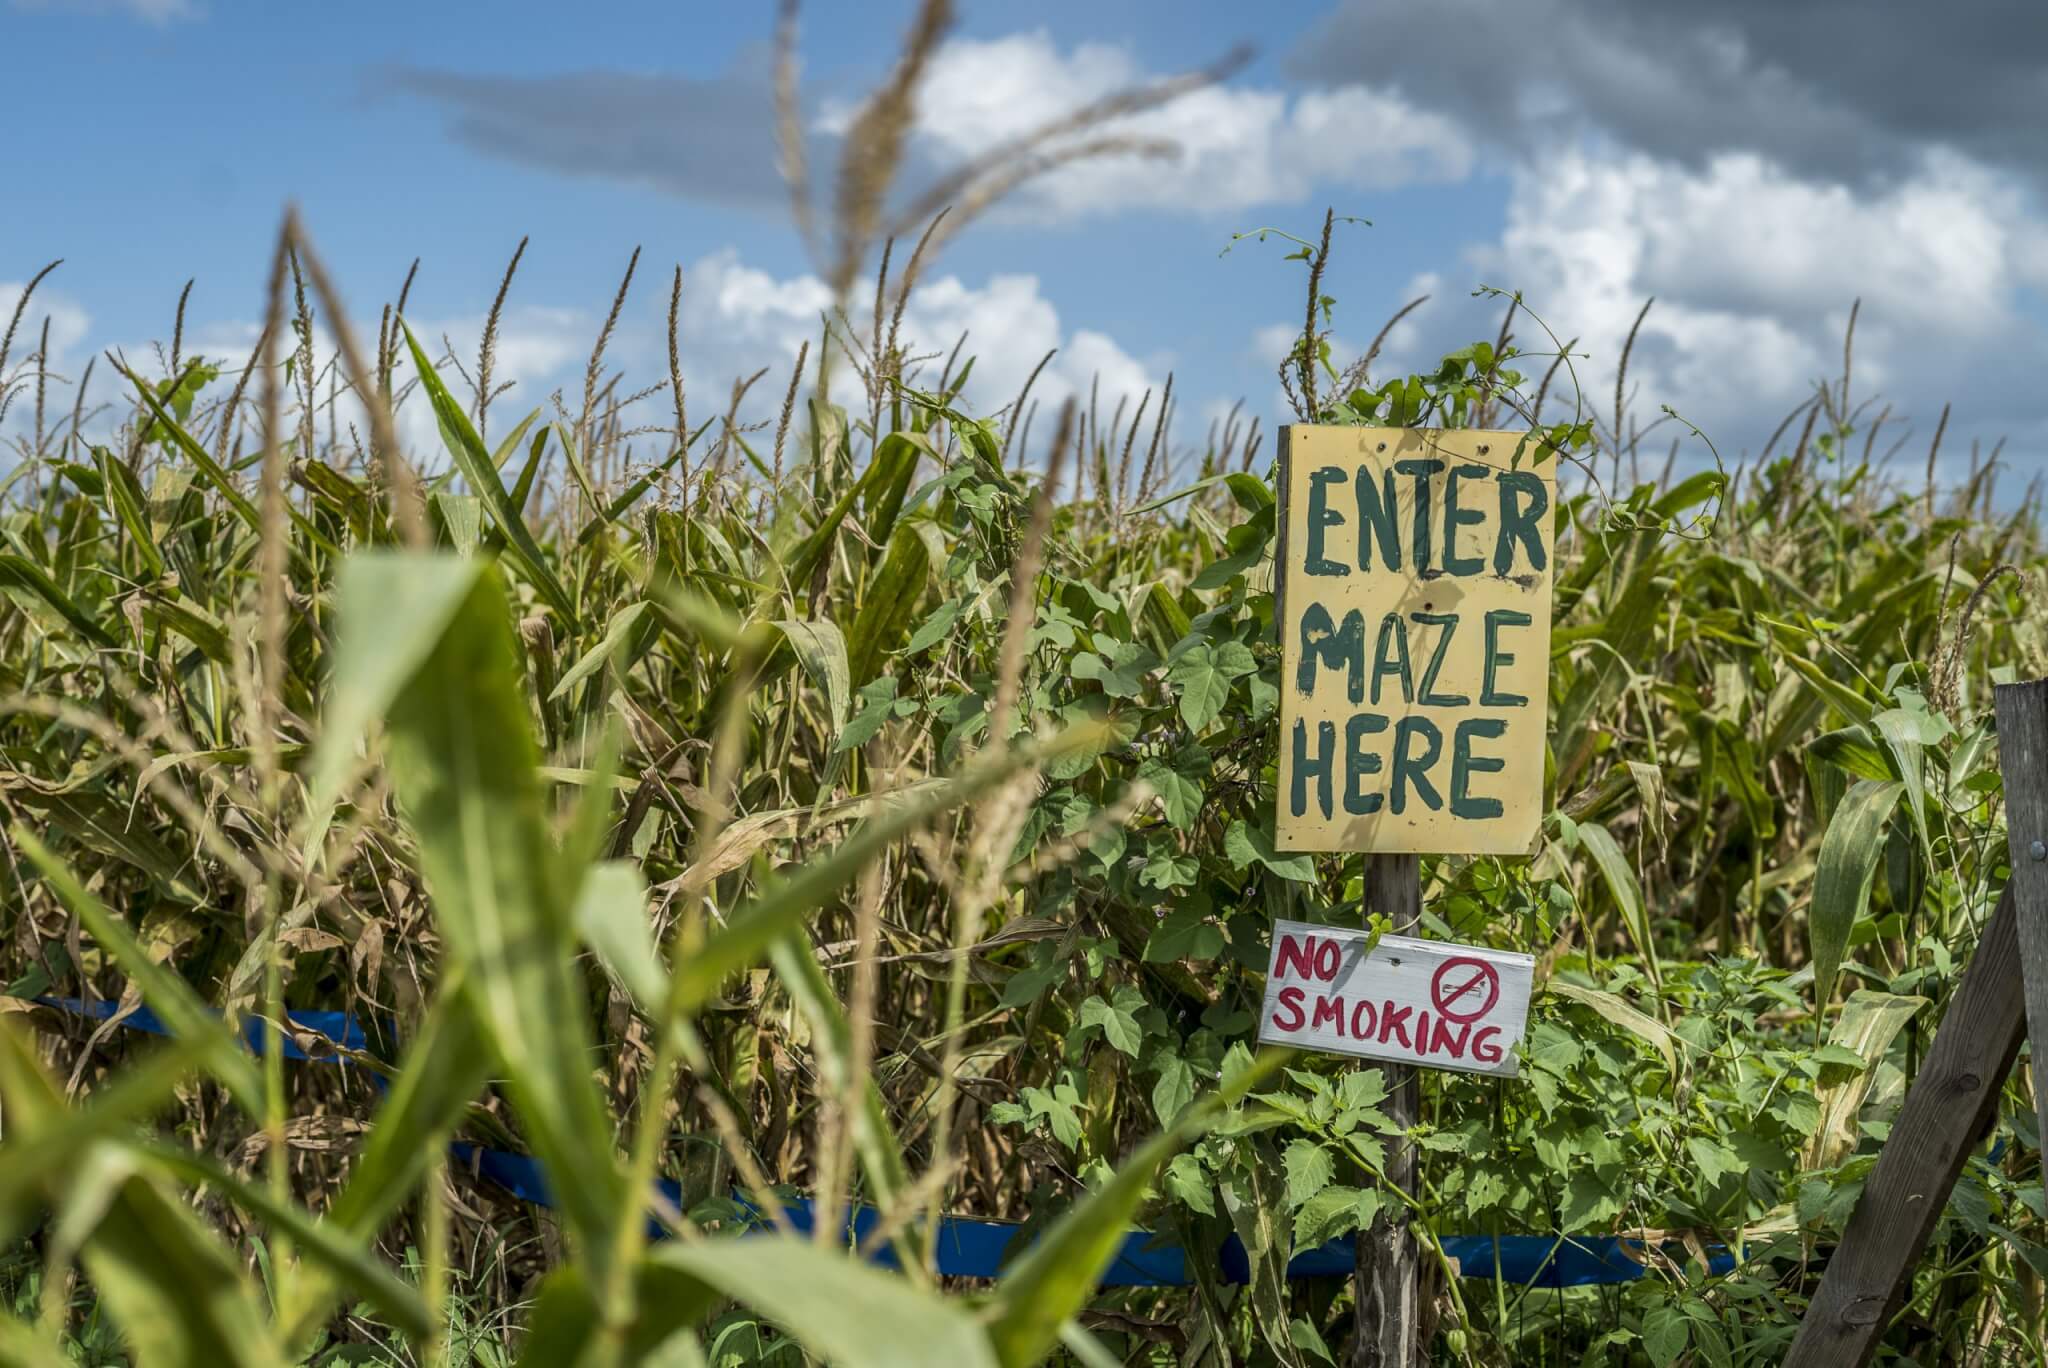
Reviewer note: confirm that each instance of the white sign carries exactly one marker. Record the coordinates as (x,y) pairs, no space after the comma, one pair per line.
(1431,1003)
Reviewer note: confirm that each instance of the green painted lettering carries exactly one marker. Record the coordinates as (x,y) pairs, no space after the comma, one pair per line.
(1414,769)
(1497,659)
(1464,764)
(1334,648)
(1377,507)
(1420,471)
(1322,517)
(1430,697)
(1393,632)
(1360,762)
(1316,767)
(1524,504)
(1456,517)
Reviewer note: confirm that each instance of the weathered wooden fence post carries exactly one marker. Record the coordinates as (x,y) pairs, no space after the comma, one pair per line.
(2023,762)
(1946,1111)
(1388,1273)
(2002,999)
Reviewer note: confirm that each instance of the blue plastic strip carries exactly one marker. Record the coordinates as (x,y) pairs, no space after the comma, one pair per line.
(340,1027)
(980,1249)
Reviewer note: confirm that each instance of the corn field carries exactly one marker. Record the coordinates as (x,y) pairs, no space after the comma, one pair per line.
(873,804)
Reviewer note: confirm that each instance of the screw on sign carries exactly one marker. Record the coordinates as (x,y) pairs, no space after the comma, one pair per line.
(1398,998)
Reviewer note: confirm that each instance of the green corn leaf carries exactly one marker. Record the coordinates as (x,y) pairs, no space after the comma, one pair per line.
(784,903)
(446,1065)
(1849,855)
(522,486)
(1867,1026)
(1183,492)
(1163,619)
(889,603)
(130,507)
(110,827)
(193,623)
(1626,892)
(30,1162)
(845,1312)
(874,1139)
(22,1347)
(1907,734)
(476,465)
(1056,1277)
(1622,1013)
(566,1329)
(590,817)
(341,496)
(85,477)
(822,651)
(168,995)
(461,519)
(503,453)
(1851,749)
(803,561)
(897,456)
(611,914)
(408,600)
(633,492)
(323,1244)
(207,1314)
(21,577)
(576,470)
(197,454)
(1845,700)
(464,763)
(132,1232)
(616,635)
(220,479)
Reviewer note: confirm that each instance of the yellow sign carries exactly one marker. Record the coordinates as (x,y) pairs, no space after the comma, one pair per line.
(1415,639)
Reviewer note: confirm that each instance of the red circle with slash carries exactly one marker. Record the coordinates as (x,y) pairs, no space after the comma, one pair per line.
(1453,992)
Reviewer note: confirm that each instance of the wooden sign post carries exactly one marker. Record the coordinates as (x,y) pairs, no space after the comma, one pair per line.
(1414,618)
(1953,1101)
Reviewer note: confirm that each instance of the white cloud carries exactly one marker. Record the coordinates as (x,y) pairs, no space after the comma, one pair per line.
(1240,146)
(737,318)
(69,322)
(149,11)
(1754,271)
(69,325)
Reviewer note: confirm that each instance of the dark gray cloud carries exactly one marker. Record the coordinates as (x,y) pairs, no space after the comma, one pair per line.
(703,138)
(1846,89)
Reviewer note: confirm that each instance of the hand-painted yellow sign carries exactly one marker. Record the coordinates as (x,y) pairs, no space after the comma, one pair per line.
(1415,639)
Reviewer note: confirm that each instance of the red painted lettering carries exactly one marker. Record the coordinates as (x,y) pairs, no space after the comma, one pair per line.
(1330,1009)
(1441,1039)
(1328,959)
(1296,956)
(1483,1048)
(1394,1022)
(1362,1018)
(1287,1016)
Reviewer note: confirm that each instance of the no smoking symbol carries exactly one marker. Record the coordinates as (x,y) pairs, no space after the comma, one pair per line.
(1464,989)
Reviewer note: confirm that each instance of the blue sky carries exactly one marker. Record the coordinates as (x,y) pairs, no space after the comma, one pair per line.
(1590,154)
